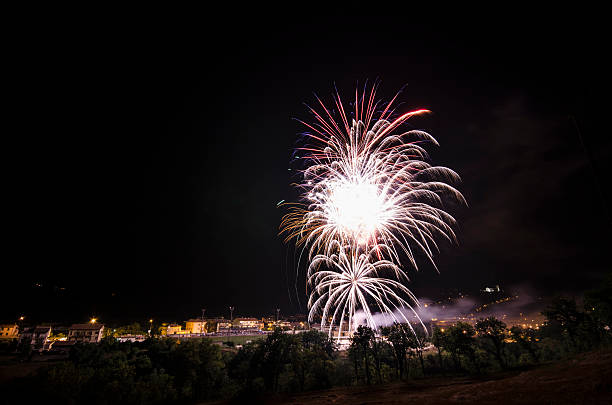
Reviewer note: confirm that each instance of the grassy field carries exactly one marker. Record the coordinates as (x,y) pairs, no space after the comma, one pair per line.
(237,339)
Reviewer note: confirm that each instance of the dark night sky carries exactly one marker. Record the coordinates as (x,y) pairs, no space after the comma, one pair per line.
(145,159)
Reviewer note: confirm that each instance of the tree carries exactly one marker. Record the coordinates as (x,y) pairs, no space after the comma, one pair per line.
(354,354)
(319,350)
(416,339)
(197,366)
(598,305)
(284,362)
(276,354)
(131,329)
(438,339)
(493,331)
(362,339)
(564,312)
(395,335)
(376,351)
(526,339)
(318,341)
(211,327)
(460,341)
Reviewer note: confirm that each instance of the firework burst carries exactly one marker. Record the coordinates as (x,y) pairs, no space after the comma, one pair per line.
(369,198)
(346,280)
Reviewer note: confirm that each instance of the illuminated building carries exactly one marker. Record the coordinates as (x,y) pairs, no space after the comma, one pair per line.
(175,329)
(248,323)
(37,338)
(131,338)
(9,331)
(492,289)
(223,325)
(195,326)
(86,332)
(283,324)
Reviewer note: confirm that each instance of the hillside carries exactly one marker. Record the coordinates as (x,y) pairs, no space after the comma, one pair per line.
(583,379)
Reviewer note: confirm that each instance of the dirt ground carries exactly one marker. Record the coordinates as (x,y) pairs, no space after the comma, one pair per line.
(584,379)
(11,367)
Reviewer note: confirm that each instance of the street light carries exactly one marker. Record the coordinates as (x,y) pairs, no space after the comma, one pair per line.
(93,320)
(231,321)
(150,326)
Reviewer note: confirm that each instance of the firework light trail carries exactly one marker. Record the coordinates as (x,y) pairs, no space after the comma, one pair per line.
(369,199)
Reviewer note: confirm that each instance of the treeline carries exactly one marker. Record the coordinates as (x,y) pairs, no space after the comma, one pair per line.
(171,371)
(487,346)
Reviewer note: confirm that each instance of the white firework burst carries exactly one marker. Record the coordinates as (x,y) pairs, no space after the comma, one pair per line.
(369,198)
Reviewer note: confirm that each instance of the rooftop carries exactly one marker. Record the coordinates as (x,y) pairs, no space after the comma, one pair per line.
(37,329)
(88,326)
(59,343)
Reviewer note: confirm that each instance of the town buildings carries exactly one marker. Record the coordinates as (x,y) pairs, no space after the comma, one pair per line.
(131,338)
(174,329)
(196,326)
(43,338)
(9,331)
(37,337)
(248,323)
(85,332)
(223,325)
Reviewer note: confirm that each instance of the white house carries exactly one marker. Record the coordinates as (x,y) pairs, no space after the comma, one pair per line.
(37,337)
(86,332)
